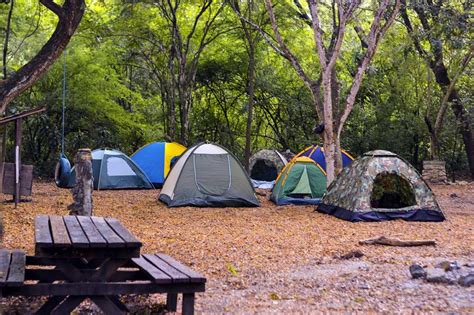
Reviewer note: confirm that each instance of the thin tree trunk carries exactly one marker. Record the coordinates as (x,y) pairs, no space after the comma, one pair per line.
(461,114)
(251,95)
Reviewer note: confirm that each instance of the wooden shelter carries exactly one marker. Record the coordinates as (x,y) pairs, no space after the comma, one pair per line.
(17,179)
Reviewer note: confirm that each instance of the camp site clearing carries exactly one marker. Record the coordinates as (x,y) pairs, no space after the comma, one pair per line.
(278,258)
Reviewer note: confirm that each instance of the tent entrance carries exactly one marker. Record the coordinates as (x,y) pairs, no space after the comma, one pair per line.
(302,190)
(212,173)
(264,170)
(391,191)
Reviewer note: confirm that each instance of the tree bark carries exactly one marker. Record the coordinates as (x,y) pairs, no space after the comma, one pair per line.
(69,15)
(82,191)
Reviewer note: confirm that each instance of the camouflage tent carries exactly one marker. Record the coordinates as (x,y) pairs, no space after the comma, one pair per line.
(265,165)
(380,186)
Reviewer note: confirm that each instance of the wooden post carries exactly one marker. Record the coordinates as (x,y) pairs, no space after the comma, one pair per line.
(17,160)
(82,191)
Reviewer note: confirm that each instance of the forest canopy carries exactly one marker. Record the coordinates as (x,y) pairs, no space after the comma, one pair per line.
(187,71)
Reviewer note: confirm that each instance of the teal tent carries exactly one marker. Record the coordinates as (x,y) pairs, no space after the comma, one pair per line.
(112,169)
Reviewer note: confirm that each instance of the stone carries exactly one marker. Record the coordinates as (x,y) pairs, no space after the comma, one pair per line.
(417,271)
(435,172)
(352,254)
(467,281)
(448,265)
(437,275)
(364,286)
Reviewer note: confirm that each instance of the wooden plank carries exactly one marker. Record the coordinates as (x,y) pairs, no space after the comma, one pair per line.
(59,231)
(193,275)
(68,305)
(4,266)
(101,288)
(43,236)
(77,235)
(113,240)
(176,275)
(171,302)
(123,232)
(93,235)
(188,304)
(16,275)
(107,306)
(88,253)
(156,274)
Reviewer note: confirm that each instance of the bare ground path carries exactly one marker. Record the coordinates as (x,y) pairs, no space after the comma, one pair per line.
(280,259)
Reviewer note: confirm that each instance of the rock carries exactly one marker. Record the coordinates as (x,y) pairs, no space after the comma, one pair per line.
(453,195)
(417,271)
(352,254)
(437,275)
(467,281)
(448,265)
(364,286)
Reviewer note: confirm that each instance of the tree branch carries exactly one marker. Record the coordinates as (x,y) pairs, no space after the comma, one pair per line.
(444,103)
(70,15)
(376,33)
(54,7)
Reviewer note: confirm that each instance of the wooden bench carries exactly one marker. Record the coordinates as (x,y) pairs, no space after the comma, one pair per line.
(147,274)
(78,258)
(12,268)
(164,270)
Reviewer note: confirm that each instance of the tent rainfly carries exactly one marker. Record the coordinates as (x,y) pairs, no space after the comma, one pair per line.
(155,160)
(380,186)
(207,175)
(265,165)
(112,169)
(316,153)
(302,182)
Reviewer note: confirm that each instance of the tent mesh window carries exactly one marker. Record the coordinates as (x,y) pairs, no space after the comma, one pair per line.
(264,170)
(391,191)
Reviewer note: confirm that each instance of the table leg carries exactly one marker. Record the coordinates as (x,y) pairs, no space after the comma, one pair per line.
(188,303)
(68,305)
(48,307)
(116,301)
(171,302)
(106,305)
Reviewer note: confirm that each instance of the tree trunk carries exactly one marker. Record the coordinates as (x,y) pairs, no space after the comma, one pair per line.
(82,191)
(251,96)
(461,114)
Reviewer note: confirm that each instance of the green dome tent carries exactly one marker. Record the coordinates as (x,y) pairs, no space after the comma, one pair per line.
(380,186)
(207,175)
(112,169)
(301,182)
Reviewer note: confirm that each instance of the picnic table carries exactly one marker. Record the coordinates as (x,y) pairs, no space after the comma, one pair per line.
(80,257)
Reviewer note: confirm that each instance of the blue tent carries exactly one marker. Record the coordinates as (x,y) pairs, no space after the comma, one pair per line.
(155,160)
(316,153)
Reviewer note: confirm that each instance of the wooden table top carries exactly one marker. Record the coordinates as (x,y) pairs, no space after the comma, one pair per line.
(82,232)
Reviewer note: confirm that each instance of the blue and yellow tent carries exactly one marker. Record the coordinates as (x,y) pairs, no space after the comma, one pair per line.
(155,160)
(316,153)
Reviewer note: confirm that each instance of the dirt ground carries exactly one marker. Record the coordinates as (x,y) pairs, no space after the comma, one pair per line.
(278,259)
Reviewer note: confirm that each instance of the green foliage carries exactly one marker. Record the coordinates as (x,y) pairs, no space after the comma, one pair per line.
(118,81)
